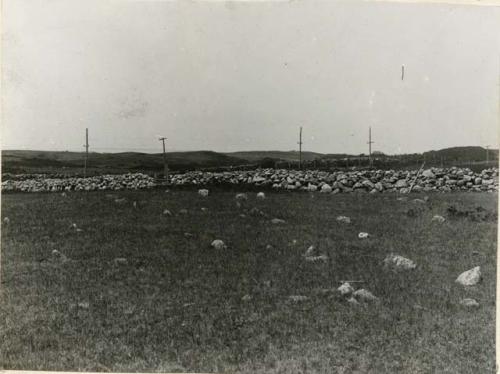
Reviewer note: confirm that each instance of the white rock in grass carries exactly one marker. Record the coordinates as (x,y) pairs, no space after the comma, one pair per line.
(470,303)
(6,220)
(183,211)
(277,221)
(63,194)
(399,262)
(241,196)
(470,277)
(218,244)
(345,289)
(203,192)
(120,201)
(204,209)
(120,261)
(261,195)
(310,251)
(269,247)
(167,212)
(83,305)
(438,218)
(297,298)
(343,219)
(246,298)
(323,258)
(363,235)
(364,295)
(56,255)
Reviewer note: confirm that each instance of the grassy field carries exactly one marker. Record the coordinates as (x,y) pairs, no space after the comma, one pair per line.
(176,304)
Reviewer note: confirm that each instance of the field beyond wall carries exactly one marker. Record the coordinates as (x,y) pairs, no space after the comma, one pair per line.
(173,303)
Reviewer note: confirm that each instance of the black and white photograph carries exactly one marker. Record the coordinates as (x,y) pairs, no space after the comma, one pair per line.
(268,187)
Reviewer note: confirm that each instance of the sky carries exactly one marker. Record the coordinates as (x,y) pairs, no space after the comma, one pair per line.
(234,76)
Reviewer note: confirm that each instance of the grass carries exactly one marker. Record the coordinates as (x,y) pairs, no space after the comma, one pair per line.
(176,305)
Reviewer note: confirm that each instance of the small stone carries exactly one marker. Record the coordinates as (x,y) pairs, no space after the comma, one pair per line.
(246,298)
(438,218)
(203,209)
(243,215)
(218,244)
(134,204)
(183,211)
(167,212)
(364,295)
(261,195)
(297,298)
(56,255)
(343,219)
(470,277)
(120,261)
(188,235)
(323,258)
(83,305)
(241,196)
(345,289)
(6,220)
(63,194)
(277,221)
(310,251)
(470,303)
(120,201)
(363,235)
(419,201)
(269,247)
(399,262)
(203,193)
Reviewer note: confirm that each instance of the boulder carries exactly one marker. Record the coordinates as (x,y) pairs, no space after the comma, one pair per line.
(364,295)
(218,244)
(399,262)
(470,277)
(345,289)
(326,188)
(261,195)
(203,193)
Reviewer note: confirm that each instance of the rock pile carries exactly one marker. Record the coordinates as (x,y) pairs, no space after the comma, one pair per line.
(102,182)
(374,181)
(367,181)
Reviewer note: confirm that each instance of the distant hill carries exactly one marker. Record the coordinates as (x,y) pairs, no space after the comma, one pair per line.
(462,153)
(276,155)
(20,161)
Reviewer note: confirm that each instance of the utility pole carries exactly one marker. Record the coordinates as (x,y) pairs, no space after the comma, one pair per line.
(300,148)
(370,145)
(86,145)
(165,166)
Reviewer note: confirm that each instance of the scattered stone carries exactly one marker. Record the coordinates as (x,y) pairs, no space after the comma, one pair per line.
(419,201)
(364,295)
(241,196)
(469,303)
(58,256)
(363,235)
(261,195)
(399,262)
(167,212)
(438,218)
(83,305)
(120,261)
(134,204)
(297,298)
(343,219)
(63,194)
(323,258)
(203,209)
(246,298)
(345,289)
(188,235)
(269,247)
(120,201)
(243,215)
(470,277)
(183,211)
(203,193)
(218,244)
(277,221)
(6,220)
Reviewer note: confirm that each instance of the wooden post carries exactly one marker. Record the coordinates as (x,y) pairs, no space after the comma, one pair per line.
(86,152)
(165,166)
(300,148)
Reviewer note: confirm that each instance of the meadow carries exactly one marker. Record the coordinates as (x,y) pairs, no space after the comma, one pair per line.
(144,291)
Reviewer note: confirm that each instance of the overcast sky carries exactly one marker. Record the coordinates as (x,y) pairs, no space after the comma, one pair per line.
(229,76)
